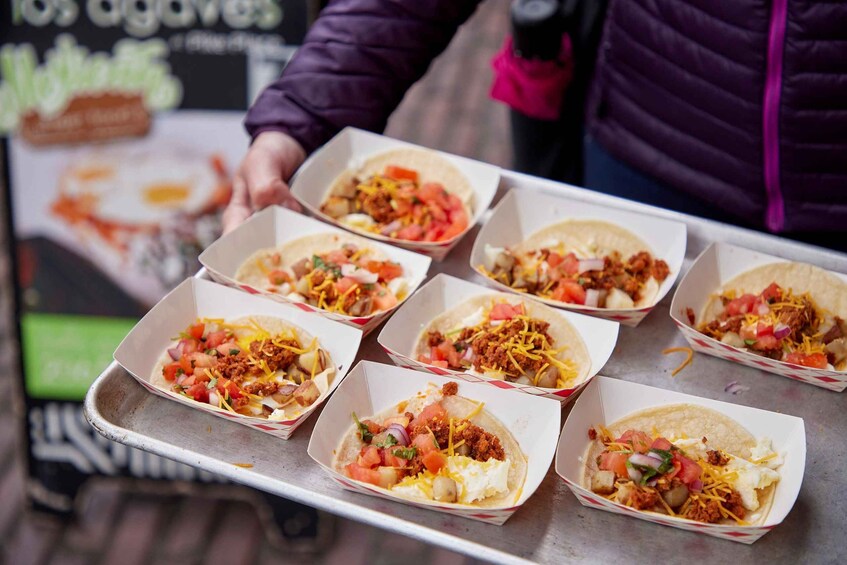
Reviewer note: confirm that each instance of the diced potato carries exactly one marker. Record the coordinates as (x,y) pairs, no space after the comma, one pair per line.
(618,299)
(307,393)
(733,339)
(388,477)
(345,189)
(549,378)
(337,206)
(444,489)
(603,482)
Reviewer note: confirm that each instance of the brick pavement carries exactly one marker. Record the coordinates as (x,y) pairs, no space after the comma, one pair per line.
(126,522)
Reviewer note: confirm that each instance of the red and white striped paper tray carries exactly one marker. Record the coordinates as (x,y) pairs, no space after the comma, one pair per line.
(400,335)
(521,213)
(607,400)
(717,265)
(276,225)
(352,145)
(372,388)
(142,348)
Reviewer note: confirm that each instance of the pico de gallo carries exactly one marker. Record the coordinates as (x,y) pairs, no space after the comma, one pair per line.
(347,280)
(396,205)
(501,341)
(430,455)
(557,274)
(686,478)
(242,368)
(780,325)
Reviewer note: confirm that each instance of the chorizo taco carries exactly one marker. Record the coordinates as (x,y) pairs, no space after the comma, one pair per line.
(339,273)
(436,447)
(260,367)
(407,194)
(791,312)
(585,262)
(506,338)
(684,461)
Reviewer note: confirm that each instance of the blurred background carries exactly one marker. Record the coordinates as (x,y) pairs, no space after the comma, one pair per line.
(146,115)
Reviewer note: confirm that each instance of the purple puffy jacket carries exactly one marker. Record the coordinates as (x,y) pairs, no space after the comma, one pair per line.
(742,103)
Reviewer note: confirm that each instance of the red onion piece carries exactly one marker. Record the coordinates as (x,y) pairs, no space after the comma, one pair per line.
(735,388)
(392,227)
(469,355)
(634,474)
(762,309)
(595,264)
(363,276)
(592,298)
(652,482)
(696,486)
(644,460)
(400,434)
(654,455)
(175,353)
(781,330)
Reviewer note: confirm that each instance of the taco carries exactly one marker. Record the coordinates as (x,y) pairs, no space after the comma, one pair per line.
(685,461)
(260,367)
(791,312)
(586,262)
(506,338)
(437,447)
(338,273)
(406,194)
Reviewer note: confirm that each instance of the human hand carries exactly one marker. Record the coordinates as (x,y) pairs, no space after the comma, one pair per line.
(261,178)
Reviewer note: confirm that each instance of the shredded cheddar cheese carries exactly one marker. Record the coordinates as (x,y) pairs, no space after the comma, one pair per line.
(688,359)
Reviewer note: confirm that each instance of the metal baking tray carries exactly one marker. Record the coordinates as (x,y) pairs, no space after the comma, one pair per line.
(552,527)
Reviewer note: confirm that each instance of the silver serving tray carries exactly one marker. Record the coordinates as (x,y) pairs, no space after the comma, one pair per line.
(552,527)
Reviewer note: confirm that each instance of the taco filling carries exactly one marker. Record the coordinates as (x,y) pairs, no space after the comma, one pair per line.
(396,204)
(247,368)
(683,477)
(349,280)
(781,325)
(439,453)
(557,273)
(500,340)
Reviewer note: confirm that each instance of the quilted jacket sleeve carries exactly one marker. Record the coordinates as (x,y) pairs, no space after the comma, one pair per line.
(355,65)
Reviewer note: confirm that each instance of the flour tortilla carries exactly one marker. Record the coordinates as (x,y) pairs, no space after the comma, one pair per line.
(828,291)
(273,326)
(430,166)
(675,421)
(456,407)
(588,239)
(562,332)
(302,248)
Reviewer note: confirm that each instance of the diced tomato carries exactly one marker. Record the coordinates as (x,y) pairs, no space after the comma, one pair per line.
(448,352)
(639,441)
(433,233)
(198,392)
(226,385)
(614,461)
(766,343)
(438,213)
(373,427)
(402,206)
(424,443)
(815,360)
(399,173)
(434,461)
(429,412)
(570,264)
(503,311)
(690,470)
(384,299)
(454,203)
(362,474)
(170,370)
(747,332)
(554,259)
(389,271)
(741,305)
(677,467)
(215,339)
(458,224)
(186,365)
(337,256)
(391,460)
(369,457)
(202,360)
(569,291)
(196,331)
(345,284)
(773,293)
(227,348)
(763,329)
(661,443)
(412,232)
(278,277)
(433,192)
(188,346)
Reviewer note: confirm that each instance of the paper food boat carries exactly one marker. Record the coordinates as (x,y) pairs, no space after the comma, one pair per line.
(607,400)
(521,213)
(399,336)
(710,271)
(140,350)
(352,145)
(276,225)
(373,387)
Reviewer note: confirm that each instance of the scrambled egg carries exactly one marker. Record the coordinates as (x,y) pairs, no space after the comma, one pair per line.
(475,480)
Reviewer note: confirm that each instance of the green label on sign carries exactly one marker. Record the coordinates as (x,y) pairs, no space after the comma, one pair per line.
(64,354)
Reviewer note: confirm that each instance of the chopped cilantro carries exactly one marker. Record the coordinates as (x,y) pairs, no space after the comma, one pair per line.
(364,432)
(234,351)
(416,200)
(750,341)
(459,346)
(180,371)
(368,286)
(407,453)
(387,442)
(211,352)
(212,384)
(581,281)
